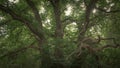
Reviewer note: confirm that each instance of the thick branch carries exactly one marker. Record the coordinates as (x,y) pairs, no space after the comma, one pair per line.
(59,29)
(21,19)
(14,15)
(92,49)
(107,46)
(57,14)
(112,11)
(85,25)
(35,11)
(113,39)
(88,11)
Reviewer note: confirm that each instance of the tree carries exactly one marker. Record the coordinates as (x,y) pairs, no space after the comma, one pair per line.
(51,27)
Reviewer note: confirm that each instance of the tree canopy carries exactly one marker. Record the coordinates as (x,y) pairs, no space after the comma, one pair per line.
(59,33)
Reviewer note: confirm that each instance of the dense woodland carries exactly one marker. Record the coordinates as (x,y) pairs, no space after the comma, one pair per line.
(59,33)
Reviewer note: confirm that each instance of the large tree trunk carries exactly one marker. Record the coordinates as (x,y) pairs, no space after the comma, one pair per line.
(57,63)
(45,59)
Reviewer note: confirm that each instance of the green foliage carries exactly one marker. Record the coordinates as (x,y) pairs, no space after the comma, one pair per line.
(15,35)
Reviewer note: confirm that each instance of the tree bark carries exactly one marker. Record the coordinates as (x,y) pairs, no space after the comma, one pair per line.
(58,34)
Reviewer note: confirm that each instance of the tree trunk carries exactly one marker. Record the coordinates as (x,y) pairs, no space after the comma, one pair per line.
(57,63)
(45,59)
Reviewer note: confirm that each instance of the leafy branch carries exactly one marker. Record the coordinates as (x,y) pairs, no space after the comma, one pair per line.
(15,52)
